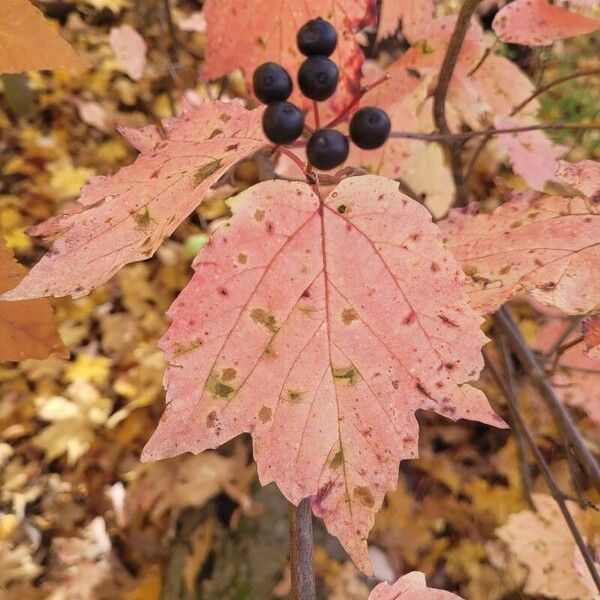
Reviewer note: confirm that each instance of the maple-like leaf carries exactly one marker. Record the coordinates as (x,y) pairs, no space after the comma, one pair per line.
(547,245)
(27,328)
(584,176)
(577,376)
(29,43)
(411,586)
(591,333)
(271,27)
(130,49)
(543,543)
(321,328)
(414,16)
(124,217)
(532,155)
(540,22)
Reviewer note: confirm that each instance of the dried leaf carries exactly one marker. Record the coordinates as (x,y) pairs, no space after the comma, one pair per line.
(411,586)
(27,328)
(29,43)
(414,16)
(584,176)
(130,49)
(321,329)
(591,332)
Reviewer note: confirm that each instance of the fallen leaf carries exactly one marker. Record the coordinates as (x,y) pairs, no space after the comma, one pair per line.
(130,49)
(248,353)
(27,328)
(125,217)
(546,245)
(30,43)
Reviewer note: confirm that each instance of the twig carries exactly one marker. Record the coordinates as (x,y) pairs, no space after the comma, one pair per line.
(562,418)
(301,552)
(511,395)
(453,145)
(557,494)
(467,135)
(563,337)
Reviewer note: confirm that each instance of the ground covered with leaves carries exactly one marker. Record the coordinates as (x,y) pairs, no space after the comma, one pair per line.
(81,517)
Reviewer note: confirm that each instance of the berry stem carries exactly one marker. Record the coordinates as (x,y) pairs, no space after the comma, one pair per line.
(294,158)
(316,113)
(364,90)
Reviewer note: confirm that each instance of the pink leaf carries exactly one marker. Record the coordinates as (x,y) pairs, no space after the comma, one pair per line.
(130,48)
(411,586)
(271,27)
(414,16)
(547,245)
(577,379)
(124,217)
(320,329)
(540,22)
(532,155)
(584,176)
(591,333)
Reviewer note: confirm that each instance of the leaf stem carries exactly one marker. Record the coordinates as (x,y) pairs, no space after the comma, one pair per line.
(301,552)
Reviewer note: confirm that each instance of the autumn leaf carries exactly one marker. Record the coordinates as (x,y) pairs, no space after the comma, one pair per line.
(543,543)
(321,329)
(540,22)
(270,28)
(27,328)
(546,245)
(591,333)
(411,586)
(413,15)
(130,49)
(124,217)
(584,176)
(20,24)
(532,155)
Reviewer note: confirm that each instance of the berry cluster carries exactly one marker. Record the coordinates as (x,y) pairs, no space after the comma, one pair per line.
(318,76)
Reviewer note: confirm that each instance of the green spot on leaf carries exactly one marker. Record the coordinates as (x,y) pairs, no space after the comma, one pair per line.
(261,316)
(345,376)
(337,460)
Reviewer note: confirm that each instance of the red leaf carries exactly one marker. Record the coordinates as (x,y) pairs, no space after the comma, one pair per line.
(547,245)
(532,155)
(27,328)
(591,333)
(414,16)
(124,217)
(270,29)
(540,22)
(584,176)
(411,586)
(321,329)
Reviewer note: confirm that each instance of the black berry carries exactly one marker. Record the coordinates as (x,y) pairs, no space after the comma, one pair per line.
(271,83)
(282,122)
(318,77)
(317,37)
(370,127)
(327,149)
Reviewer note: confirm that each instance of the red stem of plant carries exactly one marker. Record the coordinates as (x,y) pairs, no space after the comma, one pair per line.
(294,158)
(348,109)
(316,113)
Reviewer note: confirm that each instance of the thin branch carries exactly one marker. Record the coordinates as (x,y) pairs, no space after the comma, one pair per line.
(563,337)
(301,552)
(454,145)
(510,393)
(467,135)
(562,418)
(555,490)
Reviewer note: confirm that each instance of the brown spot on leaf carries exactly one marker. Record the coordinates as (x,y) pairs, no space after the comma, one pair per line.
(363,495)
(349,315)
(211,419)
(259,215)
(260,316)
(242,258)
(205,171)
(264,414)
(228,374)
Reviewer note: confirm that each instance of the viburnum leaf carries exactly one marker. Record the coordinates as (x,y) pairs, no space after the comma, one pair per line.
(414,16)
(27,328)
(543,543)
(591,333)
(130,49)
(532,155)
(577,377)
(411,586)
(540,22)
(547,245)
(124,217)
(29,43)
(270,35)
(584,176)
(321,328)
